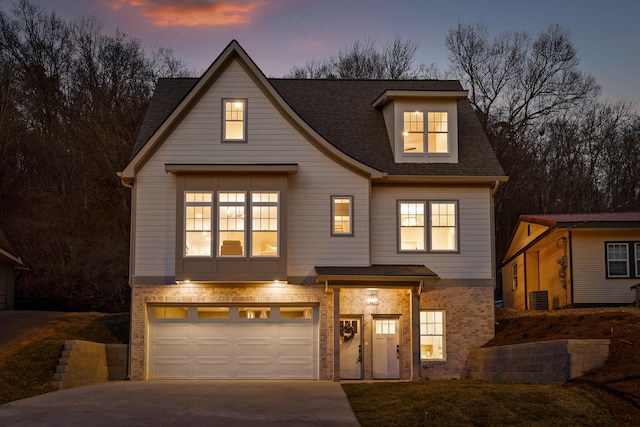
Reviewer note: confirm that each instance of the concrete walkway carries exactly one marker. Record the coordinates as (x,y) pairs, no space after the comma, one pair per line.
(186,403)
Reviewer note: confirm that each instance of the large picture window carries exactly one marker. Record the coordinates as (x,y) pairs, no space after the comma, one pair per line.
(441,233)
(231,224)
(197,214)
(264,224)
(234,123)
(432,335)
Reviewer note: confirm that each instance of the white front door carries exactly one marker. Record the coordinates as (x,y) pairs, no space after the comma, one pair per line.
(386,349)
(350,349)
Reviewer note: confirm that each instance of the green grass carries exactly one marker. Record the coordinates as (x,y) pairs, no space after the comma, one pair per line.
(473,403)
(29,371)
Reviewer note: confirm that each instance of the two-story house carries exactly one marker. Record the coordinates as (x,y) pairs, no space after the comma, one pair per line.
(309,229)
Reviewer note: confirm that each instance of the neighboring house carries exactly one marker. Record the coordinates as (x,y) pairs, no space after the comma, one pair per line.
(316,229)
(577,260)
(10,266)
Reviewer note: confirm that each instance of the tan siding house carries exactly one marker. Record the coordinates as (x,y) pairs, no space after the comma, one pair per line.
(309,229)
(573,260)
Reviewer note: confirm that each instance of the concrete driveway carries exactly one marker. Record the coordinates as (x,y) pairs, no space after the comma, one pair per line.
(186,403)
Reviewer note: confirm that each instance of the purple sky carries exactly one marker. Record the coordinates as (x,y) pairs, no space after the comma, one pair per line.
(279,34)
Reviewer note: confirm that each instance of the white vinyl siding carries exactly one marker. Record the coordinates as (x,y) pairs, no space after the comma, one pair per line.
(590,281)
(474,259)
(197,139)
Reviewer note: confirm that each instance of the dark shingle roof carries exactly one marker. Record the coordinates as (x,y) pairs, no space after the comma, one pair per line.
(342,112)
(377,270)
(586,220)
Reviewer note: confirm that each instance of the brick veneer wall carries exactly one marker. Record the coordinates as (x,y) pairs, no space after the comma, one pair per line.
(469,324)
(143,295)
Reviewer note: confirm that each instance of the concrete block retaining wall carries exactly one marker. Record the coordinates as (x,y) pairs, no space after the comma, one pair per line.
(549,362)
(85,362)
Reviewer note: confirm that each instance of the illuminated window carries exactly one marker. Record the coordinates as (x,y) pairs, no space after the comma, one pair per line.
(438,132)
(443,226)
(412,231)
(413,132)
(342,215)
(432,335)
(171,312)
(197,235)
(234,120)
(264,224)
(231,224)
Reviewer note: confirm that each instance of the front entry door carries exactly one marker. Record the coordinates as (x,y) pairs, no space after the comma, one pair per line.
(351,349)
(386,349)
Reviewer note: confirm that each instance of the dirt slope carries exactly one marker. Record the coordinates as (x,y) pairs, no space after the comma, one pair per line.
(618,382)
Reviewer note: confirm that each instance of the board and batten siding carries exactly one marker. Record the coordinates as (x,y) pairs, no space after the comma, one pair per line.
(590,282)
(270,139)
(475,257)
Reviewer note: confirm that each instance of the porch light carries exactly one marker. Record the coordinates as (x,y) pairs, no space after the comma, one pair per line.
(372,299)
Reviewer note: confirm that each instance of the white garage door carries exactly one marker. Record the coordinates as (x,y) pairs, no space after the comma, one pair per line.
(233,342)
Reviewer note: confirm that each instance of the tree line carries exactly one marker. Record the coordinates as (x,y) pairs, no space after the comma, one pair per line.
(72,99)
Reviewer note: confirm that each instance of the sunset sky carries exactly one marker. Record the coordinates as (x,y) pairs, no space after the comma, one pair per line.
(279,34)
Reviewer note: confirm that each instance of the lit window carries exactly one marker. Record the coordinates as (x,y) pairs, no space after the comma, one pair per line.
(443,226)
(231,223)
(438,136)
(431,335)
(514,276)
(412,232)
(341,215)
(171,312)
(618,260)
(197,236)
(264,224)
(234,120)
(413,132)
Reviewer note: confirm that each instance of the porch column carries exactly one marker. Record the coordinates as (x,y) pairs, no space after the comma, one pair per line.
(415,334)
(336,334)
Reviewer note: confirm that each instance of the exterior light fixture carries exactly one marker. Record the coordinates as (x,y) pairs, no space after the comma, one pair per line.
(372,299)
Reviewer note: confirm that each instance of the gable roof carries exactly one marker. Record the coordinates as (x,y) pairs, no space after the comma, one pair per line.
(341,112)
(8,253)
(591,220)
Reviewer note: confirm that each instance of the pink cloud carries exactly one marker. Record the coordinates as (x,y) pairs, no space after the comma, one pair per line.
(190,13)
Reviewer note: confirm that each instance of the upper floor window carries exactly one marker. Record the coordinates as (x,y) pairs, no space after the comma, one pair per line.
(413,132)
(264,224)
(231,223)
(432,334)
(441,233)
(198,206)
(437,132)
(342,215)
(438,128)
(234,128)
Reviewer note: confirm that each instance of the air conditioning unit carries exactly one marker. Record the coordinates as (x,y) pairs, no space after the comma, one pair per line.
(539,300)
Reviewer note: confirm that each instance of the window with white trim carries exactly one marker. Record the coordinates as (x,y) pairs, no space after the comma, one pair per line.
(441,233)
(617,260)
(342,215)
(234,123)
(197,214)
(438,132)
(264,224)
(432,343)
(413,132)
(514,276)
(231,223)
(437,125)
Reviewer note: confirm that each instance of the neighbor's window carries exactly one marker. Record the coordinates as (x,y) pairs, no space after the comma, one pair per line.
(617,260)
(342,215)
(443,226)
(637,245)
(234,119)
(197,226)
(231,223)
(413,132)
(431,335)
(438,132)
(514,276)
(412,231)
(264,224)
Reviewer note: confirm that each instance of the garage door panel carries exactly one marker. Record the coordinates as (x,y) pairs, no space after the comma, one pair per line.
(233,348)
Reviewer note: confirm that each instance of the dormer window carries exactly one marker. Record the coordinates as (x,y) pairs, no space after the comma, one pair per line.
(413,132)
(438,128)
(234,128)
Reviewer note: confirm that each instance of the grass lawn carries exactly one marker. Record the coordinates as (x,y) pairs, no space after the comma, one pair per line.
(473,403)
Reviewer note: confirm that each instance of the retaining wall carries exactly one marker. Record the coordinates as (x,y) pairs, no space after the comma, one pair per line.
(549,362)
